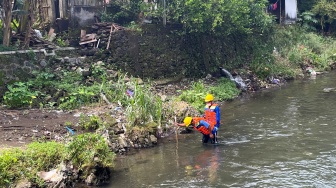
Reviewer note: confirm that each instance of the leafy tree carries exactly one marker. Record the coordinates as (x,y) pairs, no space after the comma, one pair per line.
(326,10)
(308,21)
(222,17)
(305,5)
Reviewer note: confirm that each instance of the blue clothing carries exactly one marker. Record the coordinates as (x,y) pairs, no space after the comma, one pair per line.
(204,123)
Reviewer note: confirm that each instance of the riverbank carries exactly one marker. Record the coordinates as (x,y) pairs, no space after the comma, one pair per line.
(124,111)
(21,127)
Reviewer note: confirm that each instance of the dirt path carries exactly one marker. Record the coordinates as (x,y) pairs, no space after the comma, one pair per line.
(19,127)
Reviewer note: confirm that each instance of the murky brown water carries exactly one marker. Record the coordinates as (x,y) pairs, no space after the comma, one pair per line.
(282,138)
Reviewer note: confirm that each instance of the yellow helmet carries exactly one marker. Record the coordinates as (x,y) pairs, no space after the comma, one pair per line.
(187,121)
(209,98)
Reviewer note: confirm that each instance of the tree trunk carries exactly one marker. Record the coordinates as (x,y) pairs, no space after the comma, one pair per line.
(29,22)
(24,18)
(6,24)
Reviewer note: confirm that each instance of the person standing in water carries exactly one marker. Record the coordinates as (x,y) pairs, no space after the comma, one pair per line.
(212,114)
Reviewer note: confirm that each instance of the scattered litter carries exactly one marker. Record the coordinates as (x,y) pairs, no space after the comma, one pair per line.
(70,130)
(51,176)
(77,114)
(276,81)
(129,93)
(311,71)
(327,90)
(38,33)
(47,133)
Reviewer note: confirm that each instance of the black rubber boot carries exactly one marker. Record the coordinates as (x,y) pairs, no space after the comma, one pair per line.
(205,138)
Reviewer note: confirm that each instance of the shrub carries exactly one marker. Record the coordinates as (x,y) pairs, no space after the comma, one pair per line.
(9,170)
(224,89)
(19,95)
(143,107)
(90,122)
(88,150)
(18,163)
(195,96)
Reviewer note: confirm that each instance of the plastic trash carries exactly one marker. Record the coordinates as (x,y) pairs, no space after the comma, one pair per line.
(70,130)
(129,93)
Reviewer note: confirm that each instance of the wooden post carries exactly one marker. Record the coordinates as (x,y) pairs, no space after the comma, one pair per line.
(164,13)
(280,13)
(109,39)
(63,8)
(51,10)
(7,18)
(176,132)
(72,13)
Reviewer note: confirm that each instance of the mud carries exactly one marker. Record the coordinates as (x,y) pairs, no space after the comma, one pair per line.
(19,127)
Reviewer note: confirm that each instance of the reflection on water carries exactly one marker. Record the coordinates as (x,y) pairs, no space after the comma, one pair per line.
(271,139)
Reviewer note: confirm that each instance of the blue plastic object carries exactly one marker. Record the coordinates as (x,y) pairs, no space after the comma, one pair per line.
(70,130)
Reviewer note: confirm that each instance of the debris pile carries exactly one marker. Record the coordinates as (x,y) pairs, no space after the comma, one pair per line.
(35,39)
(104,31)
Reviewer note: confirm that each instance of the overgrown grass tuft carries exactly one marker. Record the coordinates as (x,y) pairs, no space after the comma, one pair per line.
(90,122)
(224,89)
(143,107)
(195,96)
(84,151)
(88,150)
(16,164)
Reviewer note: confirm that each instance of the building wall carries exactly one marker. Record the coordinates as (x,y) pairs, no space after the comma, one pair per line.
(291,9)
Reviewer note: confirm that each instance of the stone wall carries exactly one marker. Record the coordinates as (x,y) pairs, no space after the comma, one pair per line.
(154,52)
(16,67)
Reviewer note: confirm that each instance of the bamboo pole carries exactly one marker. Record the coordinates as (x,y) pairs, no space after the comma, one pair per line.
(109,39)
(176,132)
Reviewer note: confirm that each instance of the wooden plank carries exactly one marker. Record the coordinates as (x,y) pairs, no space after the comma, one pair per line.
(63,8)
(51,11)
(86,42)
(83,33)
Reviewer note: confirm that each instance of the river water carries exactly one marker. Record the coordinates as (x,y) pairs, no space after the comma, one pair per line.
(279,138)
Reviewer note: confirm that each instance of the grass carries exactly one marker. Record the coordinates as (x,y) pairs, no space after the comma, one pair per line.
(16,164)
(300,48)
(85,151)
(223,89)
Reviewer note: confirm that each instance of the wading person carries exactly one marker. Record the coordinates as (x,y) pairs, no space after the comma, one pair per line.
(212,113)
(201,125)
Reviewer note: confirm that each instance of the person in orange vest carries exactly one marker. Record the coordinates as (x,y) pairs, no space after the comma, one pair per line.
(201,125)
(212,113)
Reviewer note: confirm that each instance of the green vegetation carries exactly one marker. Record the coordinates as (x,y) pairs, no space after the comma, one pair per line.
(16,164)
(144,107)
(90,122)
(245,39)
(223,89)
(84,151)
(68,90)
(299,48)
(221,17)
(89,150)
(19,94)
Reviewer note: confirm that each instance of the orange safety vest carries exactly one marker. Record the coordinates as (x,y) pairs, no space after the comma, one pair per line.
(203,129)
(210,114)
